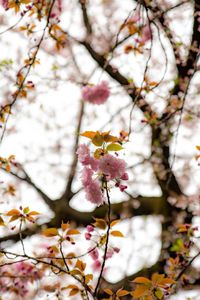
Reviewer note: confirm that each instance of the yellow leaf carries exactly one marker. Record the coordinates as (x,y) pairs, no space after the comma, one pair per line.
(114,147)
(117,233)
(50,232)
(26,210)
(103,239)
(198,148)
(99,152)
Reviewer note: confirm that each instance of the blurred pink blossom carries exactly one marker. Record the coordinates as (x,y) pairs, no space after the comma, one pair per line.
(57,9)
(90,228)
(94,253)
(96,266)
(4,3)
(146,34)
(88,236)
(96,94)
(124,176)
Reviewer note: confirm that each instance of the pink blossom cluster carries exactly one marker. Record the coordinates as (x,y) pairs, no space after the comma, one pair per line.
(96,94)
(94,252)
(108,167)
(21,273)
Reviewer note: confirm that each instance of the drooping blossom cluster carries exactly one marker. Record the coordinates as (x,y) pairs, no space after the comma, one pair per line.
(108,167)
(16,278)
(94,251)
(96,94)
(101,168)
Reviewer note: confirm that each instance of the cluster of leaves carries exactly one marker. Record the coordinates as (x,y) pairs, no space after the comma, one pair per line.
(105,141)
(5,163)
(22,215)
(39,9)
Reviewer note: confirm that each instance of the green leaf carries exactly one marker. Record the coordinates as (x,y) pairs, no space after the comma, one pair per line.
(98,140)
(114,147)
(159,294)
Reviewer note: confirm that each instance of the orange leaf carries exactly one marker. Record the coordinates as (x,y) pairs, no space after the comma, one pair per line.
(143,280)
(88,134)
(2,222)
(140,291)
(113,223)
(74,292)
(108,291)
(80,265)
(167,281)
(121,293)
(73,231)
(100,223)
(64,226)
(98,139)
(34,213)
(70,286)
(50,232)
(88,278)
(117,233)
(13,212)
(14,218)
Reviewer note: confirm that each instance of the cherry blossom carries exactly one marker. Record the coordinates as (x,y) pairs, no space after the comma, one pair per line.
(96,94)
(94,193)
(85,158)
(112,166)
